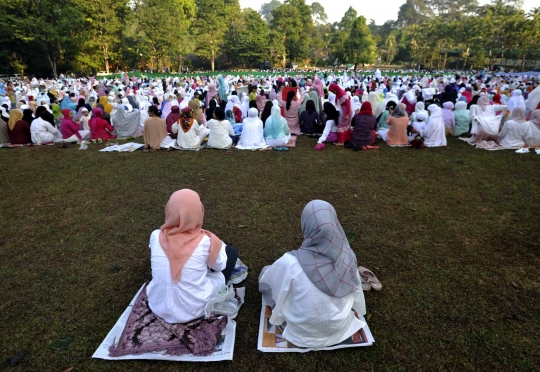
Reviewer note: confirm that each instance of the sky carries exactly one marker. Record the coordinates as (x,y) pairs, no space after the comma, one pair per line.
(379,10)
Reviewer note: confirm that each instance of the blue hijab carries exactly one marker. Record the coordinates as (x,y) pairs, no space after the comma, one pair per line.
(276,126)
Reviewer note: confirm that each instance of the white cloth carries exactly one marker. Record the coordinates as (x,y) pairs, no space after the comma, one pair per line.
(126,124)
(278,142)
(532,138)
(193,138)
(184,301)
(220,132)
(434,132)
(516,100)
(83,133)
(314,319)
(329,127)
(488,119)
(513,133)
(252,132)
(43,132)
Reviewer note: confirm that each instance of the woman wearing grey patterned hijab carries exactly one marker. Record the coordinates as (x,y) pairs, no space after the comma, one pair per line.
(313,291)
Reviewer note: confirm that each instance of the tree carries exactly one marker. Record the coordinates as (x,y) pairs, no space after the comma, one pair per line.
(100,31)
(48,25)
(254,39)
(267,8)
(359,44)
(163,25)
(413,12)
(318,13)
(209,28)
(292,23)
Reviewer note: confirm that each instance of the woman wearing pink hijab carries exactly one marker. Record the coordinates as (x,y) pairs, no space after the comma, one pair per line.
(344,102)
(212,93)
(188,263)
(318,86)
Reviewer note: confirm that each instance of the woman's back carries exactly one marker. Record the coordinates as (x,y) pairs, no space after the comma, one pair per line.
(186,300)
(362,132)
(397,134)
(314,319)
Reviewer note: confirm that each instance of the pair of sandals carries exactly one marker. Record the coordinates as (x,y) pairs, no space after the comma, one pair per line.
(282,148)
(369,280)
(525,150)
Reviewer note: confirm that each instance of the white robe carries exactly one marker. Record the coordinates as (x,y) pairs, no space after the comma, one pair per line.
(314,319)
(434,132)
(186,300)
(513,134)
(43,132)
(532,138)
(252,135)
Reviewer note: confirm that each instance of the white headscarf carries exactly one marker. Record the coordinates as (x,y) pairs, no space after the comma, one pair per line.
(516,100)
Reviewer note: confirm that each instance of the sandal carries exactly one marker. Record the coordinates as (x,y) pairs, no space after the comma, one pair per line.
(369,277)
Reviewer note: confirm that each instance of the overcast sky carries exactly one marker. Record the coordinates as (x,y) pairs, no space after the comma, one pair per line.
(379,10)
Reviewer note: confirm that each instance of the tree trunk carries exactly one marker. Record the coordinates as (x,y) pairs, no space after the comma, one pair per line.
(284,60)
(106,57)
(212,60)
(444,63)
(53,66)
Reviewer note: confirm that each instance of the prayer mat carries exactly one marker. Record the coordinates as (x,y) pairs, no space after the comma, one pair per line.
(271,339)
(140,334)
(292,142)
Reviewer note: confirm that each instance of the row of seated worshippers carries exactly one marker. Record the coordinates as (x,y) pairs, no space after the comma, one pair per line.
(185,129)
(485,124)
(315,290)
(40,125)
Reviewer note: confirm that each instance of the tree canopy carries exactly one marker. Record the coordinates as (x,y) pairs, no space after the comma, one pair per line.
(48,36)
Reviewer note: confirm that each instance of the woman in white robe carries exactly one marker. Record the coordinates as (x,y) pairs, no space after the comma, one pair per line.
(532,138)
(516,100)
(188,263)
(43,132)
(419,108)
(190,134)
(485,121)
(514,130)
(314,290)
(434,133)
(252,132)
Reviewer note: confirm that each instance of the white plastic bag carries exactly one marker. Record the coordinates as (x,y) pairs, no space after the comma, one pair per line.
(83,146)
(223,302)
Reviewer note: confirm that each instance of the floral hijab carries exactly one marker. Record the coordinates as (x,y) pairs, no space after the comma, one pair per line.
(186,119)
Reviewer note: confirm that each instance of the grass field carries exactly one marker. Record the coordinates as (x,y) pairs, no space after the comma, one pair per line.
(452,233)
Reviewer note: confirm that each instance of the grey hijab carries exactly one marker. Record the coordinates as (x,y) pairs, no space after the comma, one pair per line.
(399,111)
(325,254)
(126,124)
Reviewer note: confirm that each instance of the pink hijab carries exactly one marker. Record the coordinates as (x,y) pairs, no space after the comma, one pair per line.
(483,103)
(182,232)
(318,86)
(212,93)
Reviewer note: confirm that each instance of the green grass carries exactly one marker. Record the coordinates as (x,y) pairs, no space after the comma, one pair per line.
(447,231)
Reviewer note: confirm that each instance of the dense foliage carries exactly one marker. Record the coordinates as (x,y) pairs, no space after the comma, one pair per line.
(49,36)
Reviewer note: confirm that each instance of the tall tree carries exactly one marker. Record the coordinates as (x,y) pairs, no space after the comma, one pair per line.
(209,28)
(267,8)
(163,24)
(100,30)
(318,13)
(359,44)
(292,22)
(47,25)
